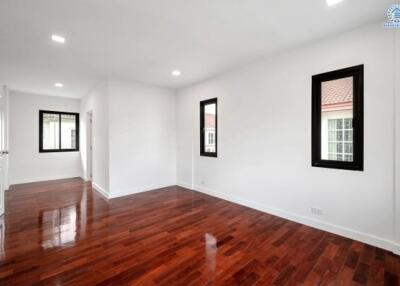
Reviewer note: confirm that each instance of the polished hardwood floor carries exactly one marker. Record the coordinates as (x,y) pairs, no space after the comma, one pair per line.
(65,233)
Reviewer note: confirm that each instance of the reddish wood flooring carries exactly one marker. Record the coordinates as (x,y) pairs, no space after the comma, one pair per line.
(63,233)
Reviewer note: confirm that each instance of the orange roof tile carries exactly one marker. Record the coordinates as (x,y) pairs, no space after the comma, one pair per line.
(337,94)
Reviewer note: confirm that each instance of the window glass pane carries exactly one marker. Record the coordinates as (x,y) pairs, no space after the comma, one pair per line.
(336,119)
(51,131)
(339,135)
(332,124)
(332,135)
(332,147)
(348,158)
(340,147)
(348,135)
(332,156)
(209,127)
(348,122)
(348,148)
(68,131)
(339,124)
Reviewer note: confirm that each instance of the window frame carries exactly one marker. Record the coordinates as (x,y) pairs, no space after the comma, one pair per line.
(357,72)
(203,152)
(59,113)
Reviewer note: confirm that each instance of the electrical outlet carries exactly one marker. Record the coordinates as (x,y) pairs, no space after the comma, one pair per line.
(317,211)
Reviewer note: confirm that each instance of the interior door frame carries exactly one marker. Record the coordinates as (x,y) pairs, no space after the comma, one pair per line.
(89,146)
(7,139)
(4,144)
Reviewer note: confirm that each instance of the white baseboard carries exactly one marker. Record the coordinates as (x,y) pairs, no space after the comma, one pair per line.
(346,232)
(185,185)
(135,190)
(100,189)
(48,178)
(396,249)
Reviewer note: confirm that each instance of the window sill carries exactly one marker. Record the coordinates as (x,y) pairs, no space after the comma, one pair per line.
(338,165)
(58,151)
(212,155)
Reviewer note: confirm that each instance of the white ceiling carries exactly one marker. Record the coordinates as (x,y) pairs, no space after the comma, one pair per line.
(145,40)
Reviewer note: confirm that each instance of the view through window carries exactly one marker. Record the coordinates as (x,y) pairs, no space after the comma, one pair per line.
(209,119)
(68,131)
(51,129)
(58,131)
(337,120)
(208,127)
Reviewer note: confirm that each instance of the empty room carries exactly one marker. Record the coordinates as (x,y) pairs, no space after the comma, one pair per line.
(193,142)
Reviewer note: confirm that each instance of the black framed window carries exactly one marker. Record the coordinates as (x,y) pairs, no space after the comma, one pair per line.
(338,119)
(58,131)
(208,127)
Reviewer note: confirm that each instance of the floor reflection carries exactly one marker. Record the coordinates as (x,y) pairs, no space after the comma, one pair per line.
(58,227)
(65,225)
(2,237)
(211,254)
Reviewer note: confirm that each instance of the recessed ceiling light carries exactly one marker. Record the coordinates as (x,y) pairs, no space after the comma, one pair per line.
(176,73)
(333,2)
(58,84)
(58,39)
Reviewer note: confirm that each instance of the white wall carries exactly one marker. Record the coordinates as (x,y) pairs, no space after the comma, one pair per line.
(26,163)
(185,124)
(264,158)
(97,102)
(142,137)
(134,137)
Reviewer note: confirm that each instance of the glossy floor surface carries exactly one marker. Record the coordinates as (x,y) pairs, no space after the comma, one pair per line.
(64,233)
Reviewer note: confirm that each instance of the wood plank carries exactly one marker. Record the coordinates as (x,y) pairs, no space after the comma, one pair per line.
(64,233)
